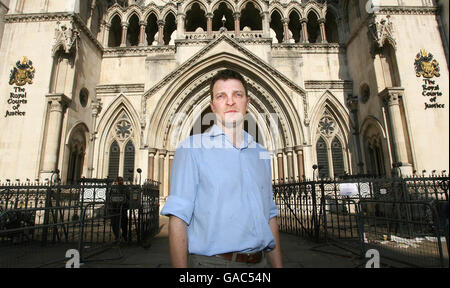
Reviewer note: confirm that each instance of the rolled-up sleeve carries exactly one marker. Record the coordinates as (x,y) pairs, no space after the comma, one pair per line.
(183,185)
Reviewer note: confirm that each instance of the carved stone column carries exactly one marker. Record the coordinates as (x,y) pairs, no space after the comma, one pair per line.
(209,18)
(323,32)
(290,163)
(161,32)
(280,167)
(352,103)
(91,12)
(96,109)
(57,106)
(151,163)
(123,42)
(391,97)
(304,23)
(300,163)
(106,28)
(142,33)
(265,23)
(237,23)
(285,30)
(171,155)
(181,29)
(162,156)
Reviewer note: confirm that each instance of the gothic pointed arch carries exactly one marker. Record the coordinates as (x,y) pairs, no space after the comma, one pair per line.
(216,3)
(191,3)
(222,10)
(169,9)
(242,4)
(149,11)
(375,147)
(311,7)
(115,31)
(313,29)
(133,11)
(170,27)
(330,101)
(189,96)
(120,123)
(76,146)
(330,126)
(278,8)
(331,27)
(295,25)
(250,16)
(195,17)
(276,25)
(113,12)
(133,30)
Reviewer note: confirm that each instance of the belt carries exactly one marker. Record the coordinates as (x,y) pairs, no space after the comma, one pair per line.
(252,258)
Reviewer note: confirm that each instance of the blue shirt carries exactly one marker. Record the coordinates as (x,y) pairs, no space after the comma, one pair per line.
(223,193)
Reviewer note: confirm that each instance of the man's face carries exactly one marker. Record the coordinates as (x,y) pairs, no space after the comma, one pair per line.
(229,102)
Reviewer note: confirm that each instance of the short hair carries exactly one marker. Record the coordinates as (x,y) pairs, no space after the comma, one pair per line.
(226,75)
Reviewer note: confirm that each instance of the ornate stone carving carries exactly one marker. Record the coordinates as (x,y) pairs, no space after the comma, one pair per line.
(380,31)
(391,96)
(65,36)
(123,128)
(327,125)
(352,102)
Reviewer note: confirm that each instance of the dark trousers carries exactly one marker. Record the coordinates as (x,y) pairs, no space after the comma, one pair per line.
(119,218)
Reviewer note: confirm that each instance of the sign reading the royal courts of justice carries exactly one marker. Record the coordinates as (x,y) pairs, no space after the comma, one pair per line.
(428,68)
(21,74)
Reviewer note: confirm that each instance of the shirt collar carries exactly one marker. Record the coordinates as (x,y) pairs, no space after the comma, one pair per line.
(216,131)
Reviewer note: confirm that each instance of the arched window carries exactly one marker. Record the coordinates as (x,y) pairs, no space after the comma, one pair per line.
(313,28)
(169,27)
(195,18)
(250,17)
(151,29)
(277,26)
(122,150)
(295,26)
(338,158)
(331,28)
(221,11)
(330,150)
(322,158)
(374,156)
(115,32)
(128,163)
(114,158)
(133,31)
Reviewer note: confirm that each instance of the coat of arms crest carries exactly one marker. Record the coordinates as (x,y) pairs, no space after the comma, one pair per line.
(23,73)
(425,65)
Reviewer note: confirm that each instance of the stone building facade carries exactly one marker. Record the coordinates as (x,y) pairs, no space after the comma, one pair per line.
(98,88)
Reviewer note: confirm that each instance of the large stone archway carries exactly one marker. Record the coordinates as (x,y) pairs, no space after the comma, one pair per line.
(277,106)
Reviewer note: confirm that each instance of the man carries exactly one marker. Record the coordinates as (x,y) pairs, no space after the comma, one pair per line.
(119,209)
(221,208)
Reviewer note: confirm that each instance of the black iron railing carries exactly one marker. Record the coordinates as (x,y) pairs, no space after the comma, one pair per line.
(85,216)
(363,211)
